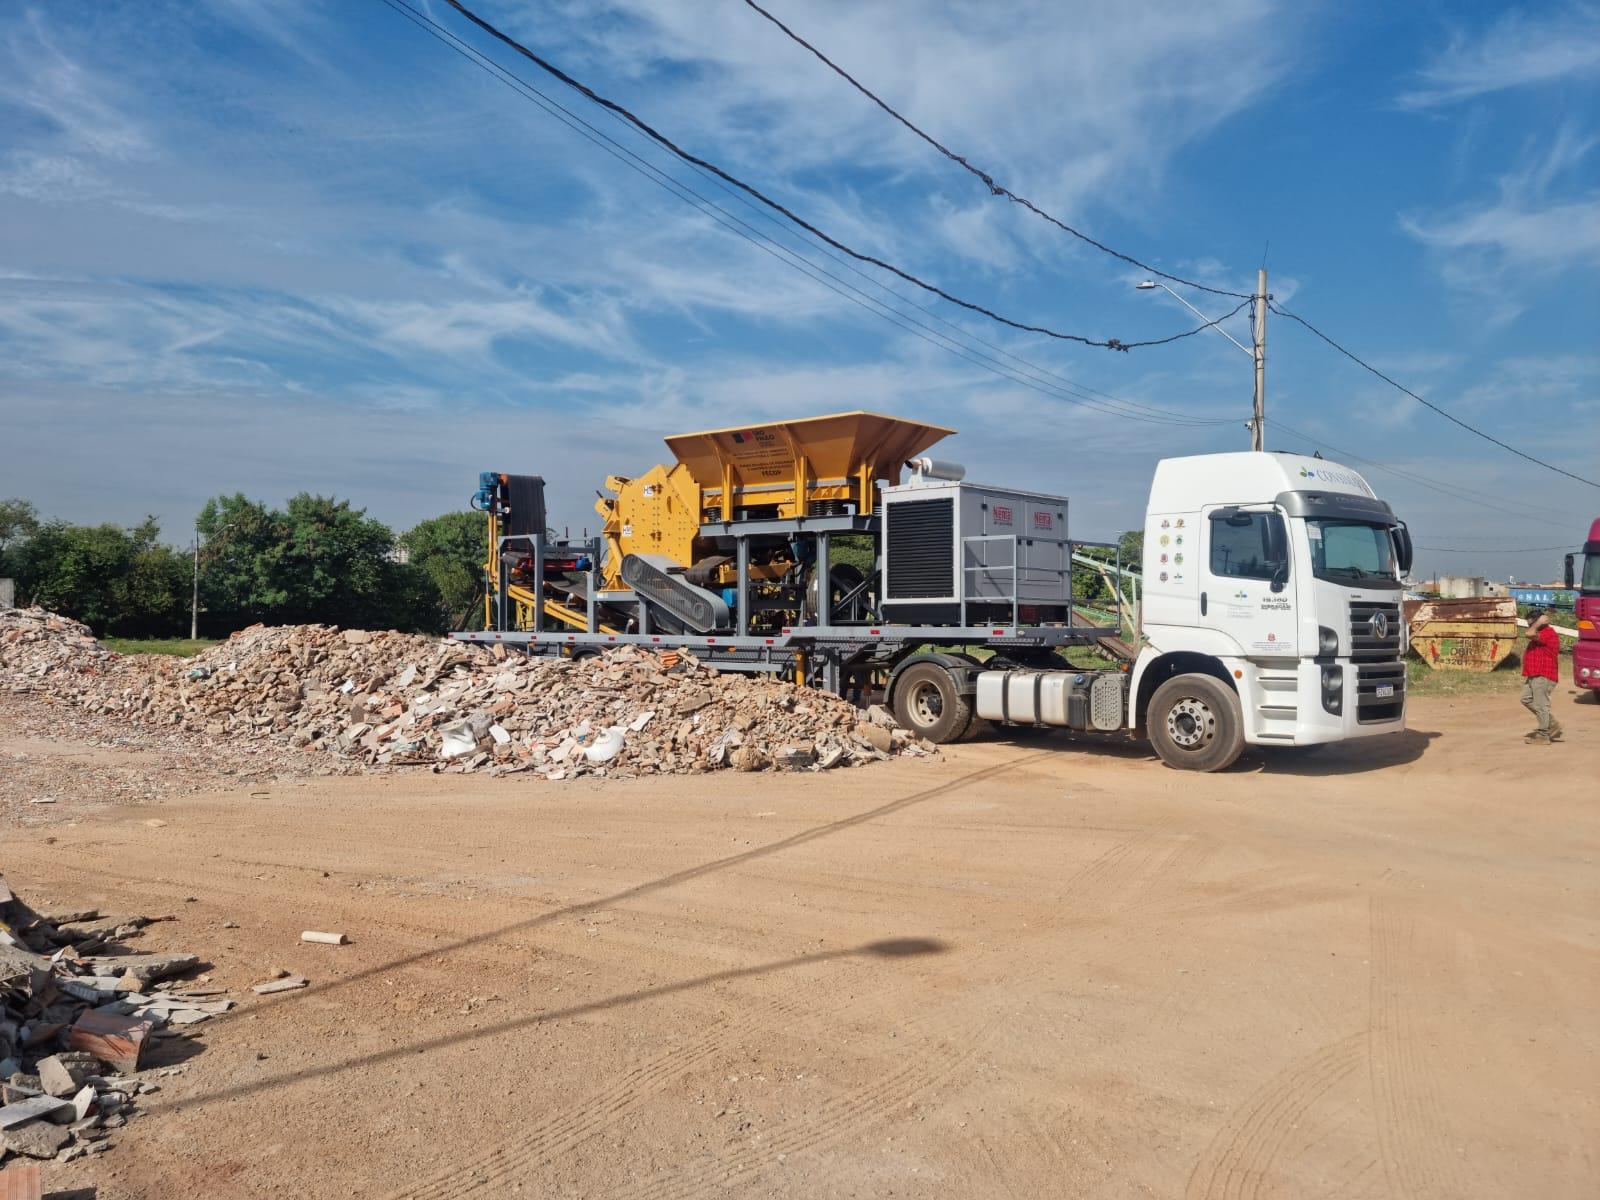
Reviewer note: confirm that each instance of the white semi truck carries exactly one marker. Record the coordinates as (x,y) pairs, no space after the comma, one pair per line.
(1270,612)
(1271,608)
(1271,617)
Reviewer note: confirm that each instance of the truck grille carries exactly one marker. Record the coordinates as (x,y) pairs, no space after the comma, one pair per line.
(1371,707)
(1365,646)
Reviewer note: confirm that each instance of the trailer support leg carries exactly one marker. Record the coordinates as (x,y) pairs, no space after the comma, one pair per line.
(824,577)
(831,680)
(538,583)
(500,622)
(741,624)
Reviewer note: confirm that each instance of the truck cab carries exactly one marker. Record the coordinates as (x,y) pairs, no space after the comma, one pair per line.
(1271,615)
(1586,611)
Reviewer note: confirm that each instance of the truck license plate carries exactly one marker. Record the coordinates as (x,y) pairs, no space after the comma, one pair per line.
(1385,690)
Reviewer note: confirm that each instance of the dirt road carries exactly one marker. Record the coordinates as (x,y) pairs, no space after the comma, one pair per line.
(1019,970)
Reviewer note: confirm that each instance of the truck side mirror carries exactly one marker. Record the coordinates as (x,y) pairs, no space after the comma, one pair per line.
(1569,576)
(1403,547)
(1275,549)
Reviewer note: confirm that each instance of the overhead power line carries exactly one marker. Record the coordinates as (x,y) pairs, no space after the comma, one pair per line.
(1447,415)
(1064,389)
(1527,512)
(668,144)
(997,189)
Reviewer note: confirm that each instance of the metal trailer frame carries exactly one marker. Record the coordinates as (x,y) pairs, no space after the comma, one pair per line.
(826,646)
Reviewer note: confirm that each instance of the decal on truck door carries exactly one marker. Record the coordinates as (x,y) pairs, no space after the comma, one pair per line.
(1252,587)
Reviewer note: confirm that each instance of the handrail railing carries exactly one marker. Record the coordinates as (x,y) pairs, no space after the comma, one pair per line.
(966,569)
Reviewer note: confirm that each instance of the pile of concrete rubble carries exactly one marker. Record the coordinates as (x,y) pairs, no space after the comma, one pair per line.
(79,1013)
(372,700)
(37,646)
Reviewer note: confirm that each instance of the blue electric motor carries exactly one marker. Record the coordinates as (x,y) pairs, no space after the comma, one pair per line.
(488,484)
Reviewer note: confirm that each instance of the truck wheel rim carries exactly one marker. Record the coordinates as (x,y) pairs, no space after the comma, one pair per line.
(1191,723)
(927,705)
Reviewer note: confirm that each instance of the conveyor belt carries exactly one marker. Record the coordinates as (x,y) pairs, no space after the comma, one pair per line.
(700,610)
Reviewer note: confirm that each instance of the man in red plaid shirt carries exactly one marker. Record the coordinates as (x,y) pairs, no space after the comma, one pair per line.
(1540,670)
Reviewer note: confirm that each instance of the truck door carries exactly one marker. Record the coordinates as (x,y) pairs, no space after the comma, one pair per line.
(1247,591)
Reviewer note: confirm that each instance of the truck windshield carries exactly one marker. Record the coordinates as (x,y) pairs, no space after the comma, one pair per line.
(1591,573)
(1351,552)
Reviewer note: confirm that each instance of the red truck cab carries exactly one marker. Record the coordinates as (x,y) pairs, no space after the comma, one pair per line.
(1586,654)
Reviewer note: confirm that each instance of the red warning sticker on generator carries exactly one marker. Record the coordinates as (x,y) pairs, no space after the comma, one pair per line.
(1002,514)
(1043,520)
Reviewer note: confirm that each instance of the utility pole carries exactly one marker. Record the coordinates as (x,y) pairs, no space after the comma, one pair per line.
(1258,423)
(194,600)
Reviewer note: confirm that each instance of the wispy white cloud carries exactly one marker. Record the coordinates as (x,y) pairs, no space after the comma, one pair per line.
(86,110)
(1539,226)
(52,179)
(311,237)
(1559,234)
(1064,103)
(1520,49)
(299,245)
(475,327)
(1550,391)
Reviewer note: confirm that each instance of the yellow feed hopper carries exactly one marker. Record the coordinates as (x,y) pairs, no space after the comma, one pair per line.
(779,470)
(791,466)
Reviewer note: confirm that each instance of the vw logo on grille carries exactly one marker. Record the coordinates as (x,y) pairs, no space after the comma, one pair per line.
(1379,625)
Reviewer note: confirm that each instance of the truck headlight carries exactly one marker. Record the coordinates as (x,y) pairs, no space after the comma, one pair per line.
(1583,673)
(1333,689)
(1327,642)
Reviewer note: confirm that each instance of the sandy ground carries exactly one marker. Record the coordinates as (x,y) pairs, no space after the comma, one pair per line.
(1025,969)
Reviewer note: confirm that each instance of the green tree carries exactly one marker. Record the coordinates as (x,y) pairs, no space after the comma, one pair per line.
(237,584)
(317,560)
(450,550)
(1132,544)
(411,600)
(1088,584)
(853,550)
(19,520)
(120,582)
(334,562)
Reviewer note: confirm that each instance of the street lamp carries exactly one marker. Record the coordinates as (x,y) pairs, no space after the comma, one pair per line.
(1151,283)
(1257,424)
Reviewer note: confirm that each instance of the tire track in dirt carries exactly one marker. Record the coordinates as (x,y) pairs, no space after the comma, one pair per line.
(1130,869)
(1413,1138)
(1244,1153)
(937,1055)
(1029,1138)
(602,1109)
(630,1090)
(1133,873)
(1138,874)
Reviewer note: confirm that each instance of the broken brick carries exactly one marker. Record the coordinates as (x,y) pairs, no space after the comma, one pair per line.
(112,1039)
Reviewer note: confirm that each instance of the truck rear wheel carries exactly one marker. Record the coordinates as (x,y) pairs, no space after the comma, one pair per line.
(1195,723)
(928,703)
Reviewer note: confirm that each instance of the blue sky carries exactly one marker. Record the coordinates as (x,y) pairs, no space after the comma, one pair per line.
(267,246)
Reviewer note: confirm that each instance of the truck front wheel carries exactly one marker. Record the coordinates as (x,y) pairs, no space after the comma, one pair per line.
(928,703)
(1195,723)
